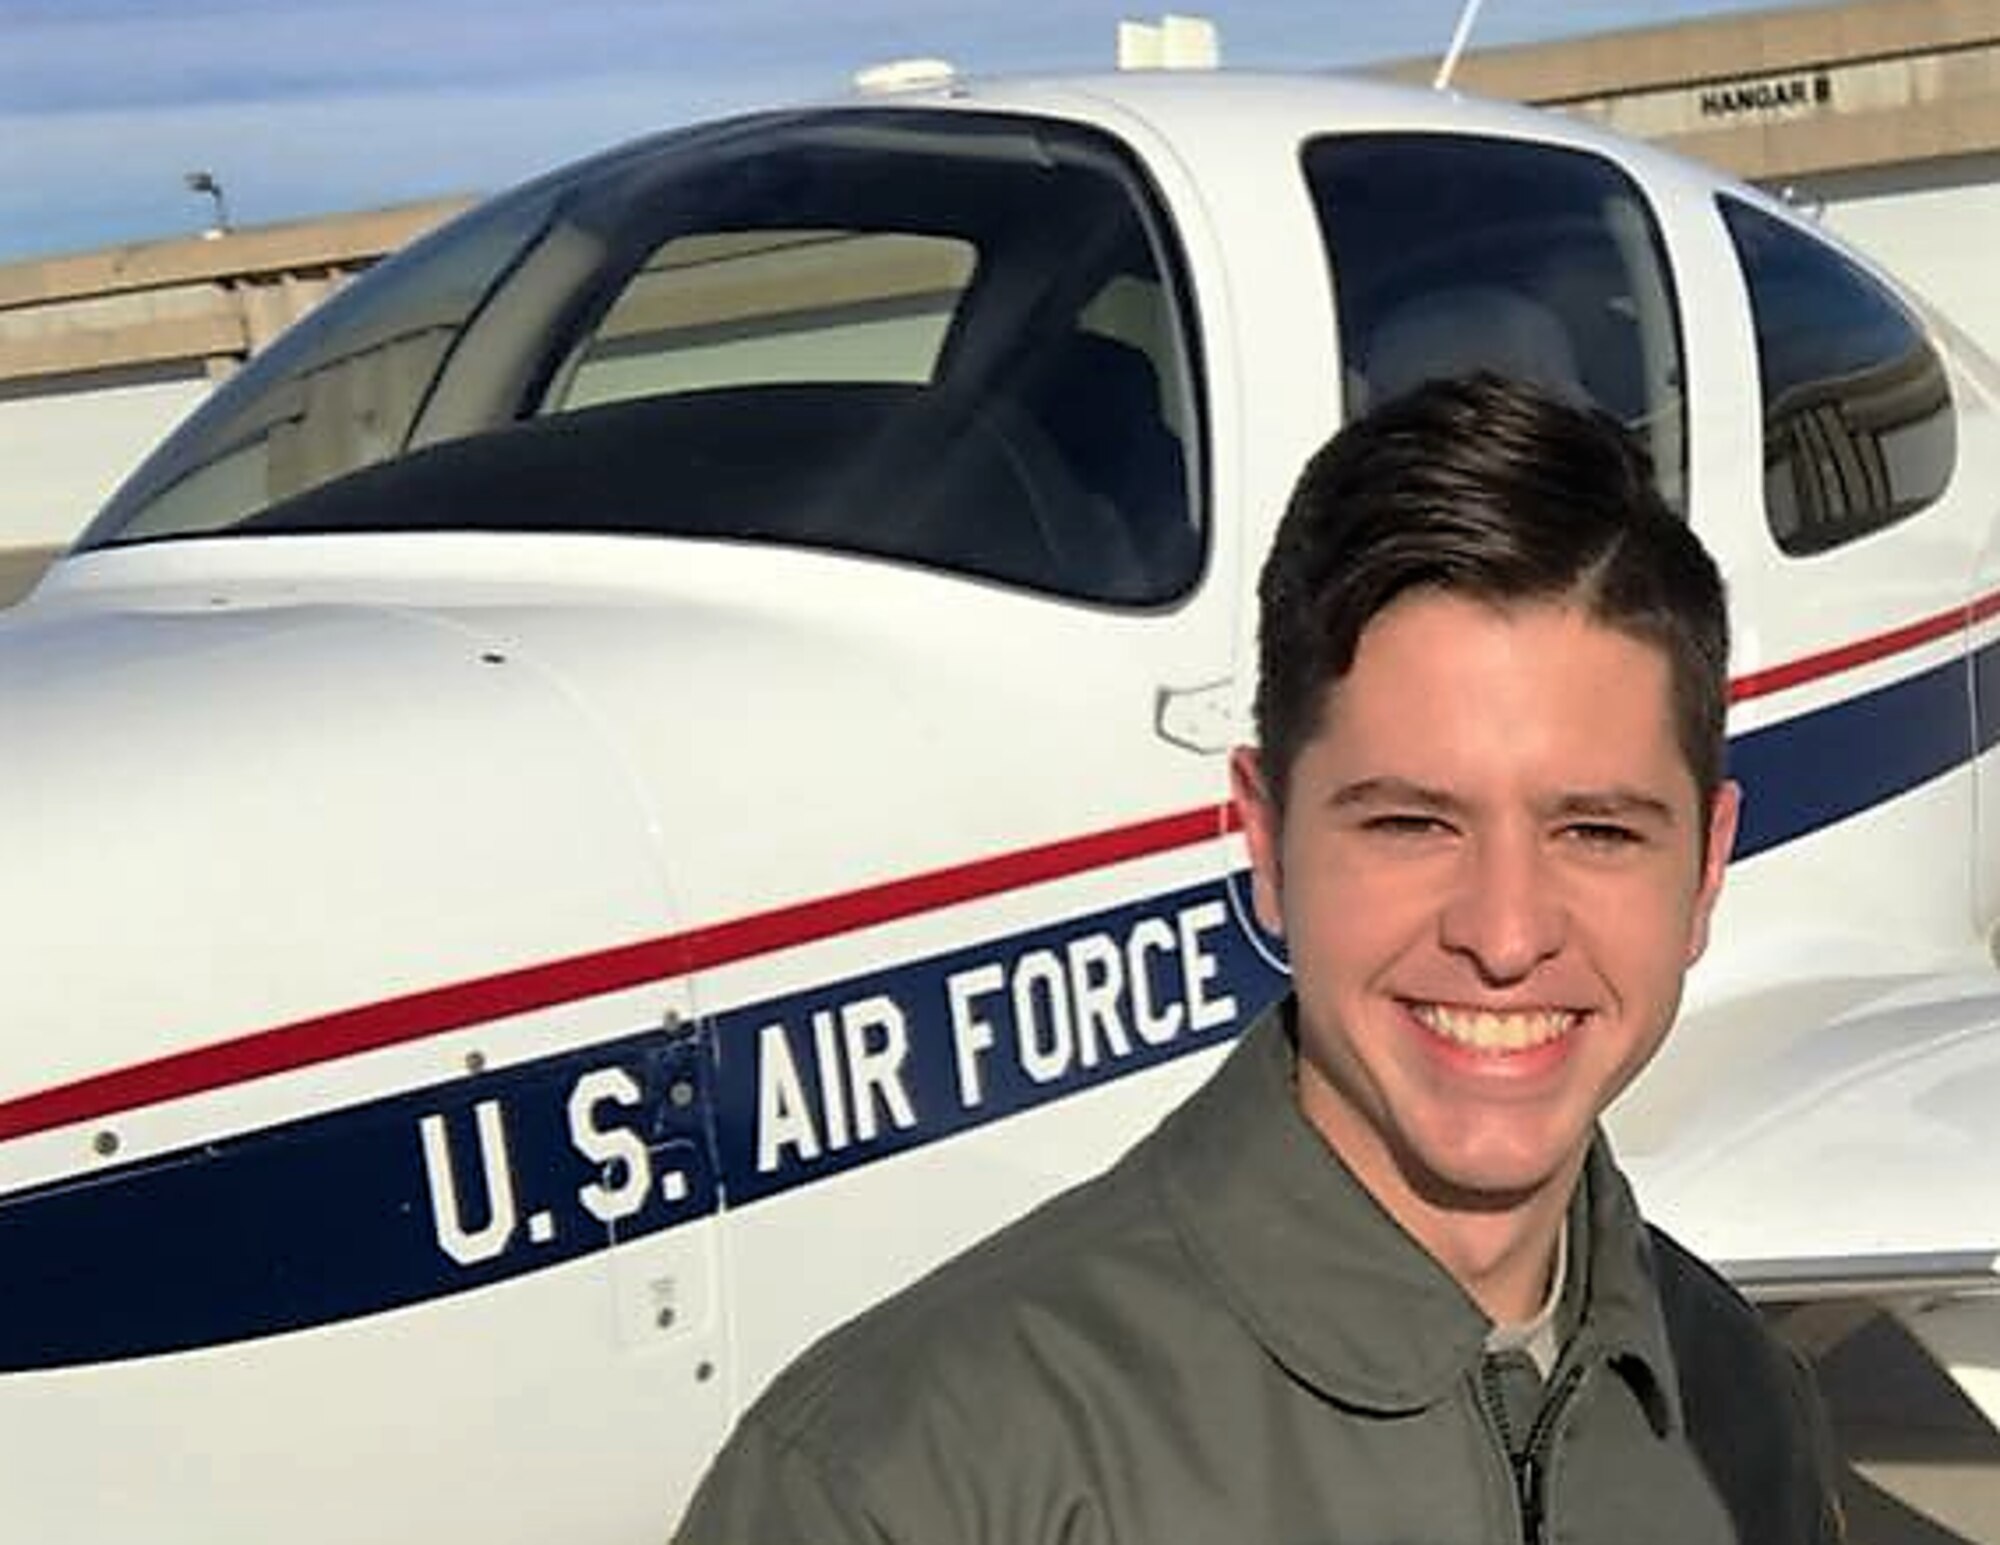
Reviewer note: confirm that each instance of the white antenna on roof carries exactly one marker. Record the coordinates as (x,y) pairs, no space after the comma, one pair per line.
(1466,17)
(904,75)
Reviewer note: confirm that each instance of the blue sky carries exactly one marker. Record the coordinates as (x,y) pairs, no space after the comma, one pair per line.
(300,107)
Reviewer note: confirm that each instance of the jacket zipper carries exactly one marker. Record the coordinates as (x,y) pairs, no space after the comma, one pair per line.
(1530,1468)
(1532,1471)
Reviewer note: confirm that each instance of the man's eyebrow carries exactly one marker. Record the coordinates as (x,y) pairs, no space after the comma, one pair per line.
(1614,804)
(1618,803)
(1401,792)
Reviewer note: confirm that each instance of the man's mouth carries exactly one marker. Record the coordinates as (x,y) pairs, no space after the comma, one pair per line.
(1496,1030)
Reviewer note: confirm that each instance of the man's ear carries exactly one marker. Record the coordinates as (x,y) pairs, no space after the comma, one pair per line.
(1257,811)
(1723,811)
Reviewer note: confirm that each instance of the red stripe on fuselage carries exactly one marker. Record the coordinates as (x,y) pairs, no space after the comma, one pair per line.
(396,1021)
(1831,662)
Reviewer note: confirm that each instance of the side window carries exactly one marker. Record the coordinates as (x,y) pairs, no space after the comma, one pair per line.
(1457,253)
(1859,430)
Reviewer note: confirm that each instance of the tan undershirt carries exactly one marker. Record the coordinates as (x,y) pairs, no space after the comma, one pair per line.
(1538,1336)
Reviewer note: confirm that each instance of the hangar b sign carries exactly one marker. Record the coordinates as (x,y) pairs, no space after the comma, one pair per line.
(1736,99)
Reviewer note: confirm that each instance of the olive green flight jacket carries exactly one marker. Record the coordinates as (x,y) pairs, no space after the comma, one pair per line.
(1223,1340)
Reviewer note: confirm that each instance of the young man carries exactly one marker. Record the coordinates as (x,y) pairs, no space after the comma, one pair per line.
(1379,1280)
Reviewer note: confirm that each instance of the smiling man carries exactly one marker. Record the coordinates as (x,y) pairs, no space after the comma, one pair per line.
(1380,1279)
(1489,815)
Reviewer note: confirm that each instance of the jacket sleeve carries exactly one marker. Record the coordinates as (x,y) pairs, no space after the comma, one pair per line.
(766,1490)
(1754,1411)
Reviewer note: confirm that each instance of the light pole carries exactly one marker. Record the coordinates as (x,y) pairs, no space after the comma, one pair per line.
(204,182)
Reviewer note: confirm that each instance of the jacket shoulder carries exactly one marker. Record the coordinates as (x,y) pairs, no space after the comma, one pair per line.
(994,1352)
(1752,1407)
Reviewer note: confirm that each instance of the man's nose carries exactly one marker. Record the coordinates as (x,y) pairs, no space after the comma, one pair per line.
(1505,914)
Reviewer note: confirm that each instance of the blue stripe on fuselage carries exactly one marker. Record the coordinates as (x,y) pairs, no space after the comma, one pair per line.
(1807,772)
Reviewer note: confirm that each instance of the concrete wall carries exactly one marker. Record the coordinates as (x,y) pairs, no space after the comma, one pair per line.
(1936,226)
(64,452)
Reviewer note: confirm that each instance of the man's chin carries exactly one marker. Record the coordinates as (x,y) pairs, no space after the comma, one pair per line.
(1486,1183)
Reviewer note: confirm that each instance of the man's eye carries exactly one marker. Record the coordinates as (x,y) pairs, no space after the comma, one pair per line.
(1603,834)
(1397,825)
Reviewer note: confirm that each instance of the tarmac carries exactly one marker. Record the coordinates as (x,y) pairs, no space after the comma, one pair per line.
(1923,1465)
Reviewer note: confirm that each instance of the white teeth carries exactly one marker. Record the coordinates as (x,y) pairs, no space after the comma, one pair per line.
(1487,1030)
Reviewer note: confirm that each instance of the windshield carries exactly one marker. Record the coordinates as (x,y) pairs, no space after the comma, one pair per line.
(953,339)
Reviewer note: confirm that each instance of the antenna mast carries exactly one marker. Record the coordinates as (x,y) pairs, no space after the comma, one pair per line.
(1466,17)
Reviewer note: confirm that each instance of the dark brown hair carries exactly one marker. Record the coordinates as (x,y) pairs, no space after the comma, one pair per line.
(1490,489)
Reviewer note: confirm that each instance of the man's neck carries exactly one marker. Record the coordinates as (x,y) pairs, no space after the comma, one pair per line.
(1503,1260)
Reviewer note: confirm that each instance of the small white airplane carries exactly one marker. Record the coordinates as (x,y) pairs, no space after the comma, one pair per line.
(658,765)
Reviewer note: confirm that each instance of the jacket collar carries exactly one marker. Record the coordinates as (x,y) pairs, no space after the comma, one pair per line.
(1333,1288)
